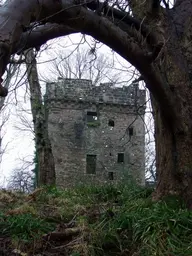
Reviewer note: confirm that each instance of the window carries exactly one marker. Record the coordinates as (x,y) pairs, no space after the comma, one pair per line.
(91,164)
(130,131)
(120,158)
(92,119)
(110,176)
(111,123)
(91,116)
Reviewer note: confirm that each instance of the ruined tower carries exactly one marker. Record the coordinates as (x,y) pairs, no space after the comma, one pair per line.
(96,132)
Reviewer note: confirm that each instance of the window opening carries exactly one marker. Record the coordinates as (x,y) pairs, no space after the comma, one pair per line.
(111,123)
(91,164)
(130,131)
(92,116)
(92,119)
(120,158)
(110,175)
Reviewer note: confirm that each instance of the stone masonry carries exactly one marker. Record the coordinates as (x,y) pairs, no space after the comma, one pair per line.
(96,132)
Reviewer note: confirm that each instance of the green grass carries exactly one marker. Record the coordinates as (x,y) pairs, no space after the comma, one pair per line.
(25,227)
(113,220)
(93,124)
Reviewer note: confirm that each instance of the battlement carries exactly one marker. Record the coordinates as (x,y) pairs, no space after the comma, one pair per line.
(84,91)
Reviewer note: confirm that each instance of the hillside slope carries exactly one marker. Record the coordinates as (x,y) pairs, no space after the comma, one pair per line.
(93,221)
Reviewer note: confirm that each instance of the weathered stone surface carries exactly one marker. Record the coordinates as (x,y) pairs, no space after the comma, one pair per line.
(73,137)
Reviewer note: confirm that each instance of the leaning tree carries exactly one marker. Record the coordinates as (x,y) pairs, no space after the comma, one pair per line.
(153,35)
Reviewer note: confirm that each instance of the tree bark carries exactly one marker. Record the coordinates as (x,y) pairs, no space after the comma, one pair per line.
(174,143)
(46,166)
(173,161)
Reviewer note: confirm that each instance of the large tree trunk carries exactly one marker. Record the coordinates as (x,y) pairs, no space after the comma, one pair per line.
(45,160)
(174,139)
(173,161)
(171,95)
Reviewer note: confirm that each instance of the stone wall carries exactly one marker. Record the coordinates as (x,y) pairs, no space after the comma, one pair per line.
(102,121)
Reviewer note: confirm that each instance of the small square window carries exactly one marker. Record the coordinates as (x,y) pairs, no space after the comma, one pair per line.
(91,116)
(110,176)
(130,131)
(120,158)
(111,123)
(92,119)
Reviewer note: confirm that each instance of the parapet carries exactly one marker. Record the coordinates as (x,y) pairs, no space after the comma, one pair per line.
(82,90)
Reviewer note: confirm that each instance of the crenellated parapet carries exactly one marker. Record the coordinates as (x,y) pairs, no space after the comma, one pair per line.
(106,93)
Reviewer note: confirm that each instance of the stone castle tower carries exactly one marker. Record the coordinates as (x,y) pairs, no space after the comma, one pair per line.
(96,132)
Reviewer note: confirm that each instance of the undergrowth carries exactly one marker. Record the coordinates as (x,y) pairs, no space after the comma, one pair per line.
(103,220)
